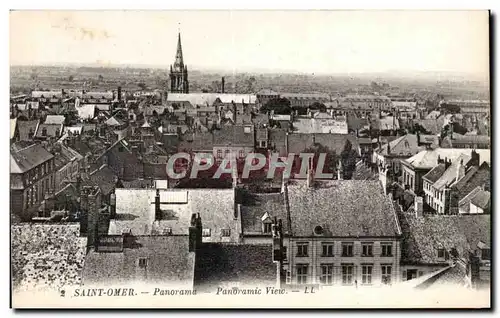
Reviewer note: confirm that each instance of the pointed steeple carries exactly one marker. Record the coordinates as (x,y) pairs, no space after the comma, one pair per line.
(179,61)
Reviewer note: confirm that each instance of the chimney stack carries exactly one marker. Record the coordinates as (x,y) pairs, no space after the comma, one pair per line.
(474,272)
(419,207)
(90,204)
(474,158)
(460,170)
(310,173)
(447,163)
(157,206)
(223,82)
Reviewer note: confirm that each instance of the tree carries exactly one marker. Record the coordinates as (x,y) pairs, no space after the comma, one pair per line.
(100,78)
(331,159)
(318,106)
(142,85)
(280,106)
(71,78)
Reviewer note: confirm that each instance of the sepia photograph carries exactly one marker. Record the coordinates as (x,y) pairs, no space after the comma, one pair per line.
(180,159)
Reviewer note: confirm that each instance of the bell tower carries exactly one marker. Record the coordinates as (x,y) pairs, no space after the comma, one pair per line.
(178,72)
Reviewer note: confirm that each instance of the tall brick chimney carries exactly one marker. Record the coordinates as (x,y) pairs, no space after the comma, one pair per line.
(157,205)
(119,97)
(90,204)
(223,82)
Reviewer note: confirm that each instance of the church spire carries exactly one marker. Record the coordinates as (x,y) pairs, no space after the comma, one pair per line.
(179,61)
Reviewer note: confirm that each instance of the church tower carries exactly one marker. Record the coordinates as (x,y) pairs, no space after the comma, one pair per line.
(178,72)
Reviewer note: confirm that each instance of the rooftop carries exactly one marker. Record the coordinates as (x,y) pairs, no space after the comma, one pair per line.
(423,236)
(349,208)
(427,159)
(261,207)
(168,262)
(135,212)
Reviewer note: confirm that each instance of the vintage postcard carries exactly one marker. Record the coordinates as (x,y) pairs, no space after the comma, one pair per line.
(250,159)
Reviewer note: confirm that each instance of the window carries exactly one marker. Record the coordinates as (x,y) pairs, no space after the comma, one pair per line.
(267,227)
(386,249)
(143,262)
(219,153)
(366,274)
(44,131)
(226,232)
(120,149)
(386,274)
(206,233)
(302,273)
(485,254)
(326,274)
(167,231)
(327,249)
(285,253)
(242,153)
(441,253)
(367,249)
(347,274)
(263,144)
(347,249)
(302,249)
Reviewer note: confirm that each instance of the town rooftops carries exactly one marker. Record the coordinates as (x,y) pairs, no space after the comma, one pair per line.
(435,173)
(86,111)
(260,208)
(298,142)
(467,140)
(113,121)
(427,159)
(407,145)
(236,135)
(135,212)
(267,92)
(320,97)
(423,236)
(206,99)
(54,119)
(46,94)
(27,158)
(167,258)
(237,98)
(342,208)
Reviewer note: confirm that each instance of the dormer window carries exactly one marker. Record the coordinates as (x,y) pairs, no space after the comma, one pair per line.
(206,233)
(44,132)
(143,262)
(267,227)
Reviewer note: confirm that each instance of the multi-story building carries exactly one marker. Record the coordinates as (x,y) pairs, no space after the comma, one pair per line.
(341,233)
(31,179)
(415,167)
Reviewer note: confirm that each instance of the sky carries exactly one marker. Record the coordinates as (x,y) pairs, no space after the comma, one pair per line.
(322,42)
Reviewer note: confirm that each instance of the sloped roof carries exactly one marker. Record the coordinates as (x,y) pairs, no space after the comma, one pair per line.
(226,265)
(424,235)
(169,262)
(104,178)
(482,199)
(450,175)
(349,208)
(259,204)
(28,158)
(427,159)
(234,136)
(474,177)
(113,121)
(135,210)
(237,98)
(464,203)
(435,173)
(53,130)
(298,142)
(206,99)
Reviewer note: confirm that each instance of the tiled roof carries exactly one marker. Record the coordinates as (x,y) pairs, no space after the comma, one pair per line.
(427,159)
(28,158)
(113,122)
(104,178)
(406,145)
(335,142)
(136,211)
(257,206)
(234,265)
(24,128)
(464,203)
(234,136)
(435,173)
(423,236)
(474,177)
(198,142)
(353,208)
(168,262)
(481,199)
(433,126)
(54,119)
